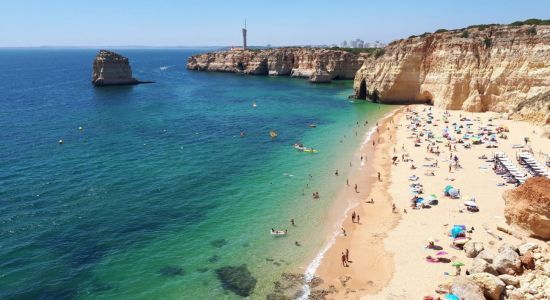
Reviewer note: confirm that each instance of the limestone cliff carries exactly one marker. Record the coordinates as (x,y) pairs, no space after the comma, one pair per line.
(110,68)
(318,65)
(497,68)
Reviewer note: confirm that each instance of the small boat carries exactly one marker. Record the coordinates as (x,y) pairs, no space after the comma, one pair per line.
(278,232)
(311,150)
(254,104)
(273,134)
(312,125)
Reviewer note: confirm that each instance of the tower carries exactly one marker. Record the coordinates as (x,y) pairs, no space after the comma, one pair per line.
(244,35)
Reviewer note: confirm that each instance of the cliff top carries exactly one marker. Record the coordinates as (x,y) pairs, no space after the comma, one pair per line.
(107,55)
(485,30)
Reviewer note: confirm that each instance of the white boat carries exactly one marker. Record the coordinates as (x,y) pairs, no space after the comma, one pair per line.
(278,232)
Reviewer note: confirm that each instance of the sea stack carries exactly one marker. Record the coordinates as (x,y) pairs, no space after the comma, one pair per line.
(111,68)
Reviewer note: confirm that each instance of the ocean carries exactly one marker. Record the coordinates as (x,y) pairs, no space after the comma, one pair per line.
(153,193)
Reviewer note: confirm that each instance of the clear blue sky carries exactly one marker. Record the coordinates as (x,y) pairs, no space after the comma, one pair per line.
(218,22)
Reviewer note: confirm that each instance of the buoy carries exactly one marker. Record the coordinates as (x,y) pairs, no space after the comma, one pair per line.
(80,128)
(60,142)
(273,134)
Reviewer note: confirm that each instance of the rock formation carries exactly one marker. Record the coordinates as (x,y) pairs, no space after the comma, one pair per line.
(318,65)
(111,68)
(494,68)
(527,207)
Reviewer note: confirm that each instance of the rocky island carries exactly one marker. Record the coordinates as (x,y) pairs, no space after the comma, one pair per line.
(111,68)
(480,68)
(317,65)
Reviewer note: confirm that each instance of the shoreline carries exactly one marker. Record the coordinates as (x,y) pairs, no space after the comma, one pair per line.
(365,177)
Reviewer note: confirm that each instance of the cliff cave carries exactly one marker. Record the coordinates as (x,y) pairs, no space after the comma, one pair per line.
(362,90)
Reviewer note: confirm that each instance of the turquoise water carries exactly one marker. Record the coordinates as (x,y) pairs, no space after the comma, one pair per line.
(158,192)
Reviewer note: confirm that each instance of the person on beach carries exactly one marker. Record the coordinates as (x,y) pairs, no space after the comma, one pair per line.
(361,158)
(371,200)
(353,215)
(358,218)
(350,164)
(344,263)
(393,207)
(450,165)
(343,231)
(356,188)
(379,179)
(292,222)
(347,182)
(373,143)
(347,255)
(336,172)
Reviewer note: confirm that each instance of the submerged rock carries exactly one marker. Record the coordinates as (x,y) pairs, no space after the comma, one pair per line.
(111,68)
(171,271)
(219,243)
(237,279)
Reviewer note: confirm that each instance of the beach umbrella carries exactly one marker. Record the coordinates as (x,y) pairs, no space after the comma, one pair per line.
(447,188)
(440,253)
(470,203)
(454,192)
(451,297)
(456,231)
(457,264)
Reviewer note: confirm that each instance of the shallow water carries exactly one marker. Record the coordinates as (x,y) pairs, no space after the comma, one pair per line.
(158,191)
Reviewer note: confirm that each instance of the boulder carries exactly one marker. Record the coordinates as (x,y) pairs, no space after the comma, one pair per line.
(481,266)
(509,280)
(527,261)
(466,288)
(486,255)
(505,246)
(507,262)
(527,207)
(527,247)
(491,285)
(472,248)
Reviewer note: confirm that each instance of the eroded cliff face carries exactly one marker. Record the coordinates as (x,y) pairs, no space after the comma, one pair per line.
(318,65)
(111,68)
(500,68)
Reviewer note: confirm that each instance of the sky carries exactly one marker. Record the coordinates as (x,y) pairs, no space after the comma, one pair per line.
(25,23)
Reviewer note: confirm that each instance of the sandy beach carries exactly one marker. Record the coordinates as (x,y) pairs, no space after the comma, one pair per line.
(387,249)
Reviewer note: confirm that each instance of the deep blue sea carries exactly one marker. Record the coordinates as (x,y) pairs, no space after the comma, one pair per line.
(157,196)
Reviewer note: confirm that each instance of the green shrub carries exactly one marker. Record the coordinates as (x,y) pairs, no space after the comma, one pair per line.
(441,30)
(488,42)
(425,34)
(465,34)
(379,52)
(532,31)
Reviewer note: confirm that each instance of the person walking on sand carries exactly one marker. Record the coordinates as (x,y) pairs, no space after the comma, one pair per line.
(353,217)
(347,182)
(450,165)
(344,263)
(379,179)
(336,172)
(343,231)
(393,207)
(356,188)
(358,218)
(347,256)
